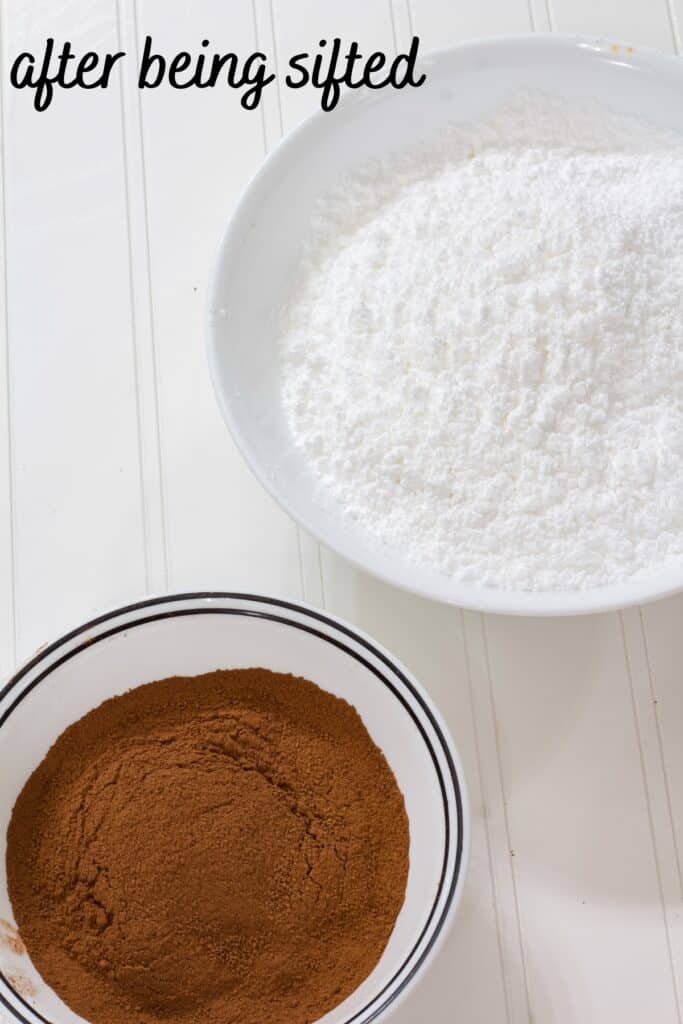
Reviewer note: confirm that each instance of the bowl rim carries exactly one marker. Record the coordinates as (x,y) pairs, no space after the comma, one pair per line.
(456,820)
(660,583)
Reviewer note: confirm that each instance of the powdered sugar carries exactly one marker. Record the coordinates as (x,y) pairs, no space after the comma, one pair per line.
(483,355)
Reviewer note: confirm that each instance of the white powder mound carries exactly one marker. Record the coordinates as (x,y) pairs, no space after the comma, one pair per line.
(483,355)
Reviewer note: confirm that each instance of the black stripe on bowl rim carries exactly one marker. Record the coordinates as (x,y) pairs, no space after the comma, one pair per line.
(377,1005)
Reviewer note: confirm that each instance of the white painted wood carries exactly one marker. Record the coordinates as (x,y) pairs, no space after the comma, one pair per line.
(151,469)
(441,23)
(539,15)
(675,10)
(590,904)
(402,29)
(657,786)
(7,637)
(663,639)
(77,515)
(643,22)
(200,148)
(271,107)
(500,852)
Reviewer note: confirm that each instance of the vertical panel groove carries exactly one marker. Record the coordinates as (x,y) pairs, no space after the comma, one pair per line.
(148,262)
(133,324)
(271,14)
(648,805)
(549,12)
(504,802)
(487,831)
(393,23)
(660,747)
(401,21)
(152,489)
(262,111)
(673,22)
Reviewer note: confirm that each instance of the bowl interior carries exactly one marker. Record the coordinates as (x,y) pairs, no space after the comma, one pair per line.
(197,639)
(262,245)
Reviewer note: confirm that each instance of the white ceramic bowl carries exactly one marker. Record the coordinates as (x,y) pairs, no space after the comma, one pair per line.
(262,243)
(192,633)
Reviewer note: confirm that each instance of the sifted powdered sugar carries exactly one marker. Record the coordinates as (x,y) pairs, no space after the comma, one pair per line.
(483,355)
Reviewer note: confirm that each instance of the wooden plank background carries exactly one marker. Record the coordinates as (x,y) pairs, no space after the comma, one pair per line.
(118,478)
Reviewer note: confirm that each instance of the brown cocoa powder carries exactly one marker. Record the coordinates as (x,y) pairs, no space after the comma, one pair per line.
(230,847)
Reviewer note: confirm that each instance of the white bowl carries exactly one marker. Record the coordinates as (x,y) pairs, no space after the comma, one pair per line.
(261,247)
(192,633)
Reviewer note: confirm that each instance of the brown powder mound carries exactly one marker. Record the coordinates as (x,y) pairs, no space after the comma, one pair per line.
(230,847)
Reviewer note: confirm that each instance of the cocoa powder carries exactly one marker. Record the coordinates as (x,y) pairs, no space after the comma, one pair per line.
(230,847)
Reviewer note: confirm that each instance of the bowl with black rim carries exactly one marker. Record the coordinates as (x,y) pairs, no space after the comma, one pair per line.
(189,634)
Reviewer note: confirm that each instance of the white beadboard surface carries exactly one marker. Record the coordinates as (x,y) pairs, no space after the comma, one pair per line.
(118,478)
